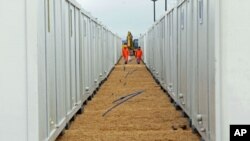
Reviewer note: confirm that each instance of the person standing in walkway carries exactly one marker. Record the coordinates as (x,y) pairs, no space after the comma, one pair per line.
(138,55)
(125,53)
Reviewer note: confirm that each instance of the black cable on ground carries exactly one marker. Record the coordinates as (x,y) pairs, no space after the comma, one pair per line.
(122,97)
(122,101)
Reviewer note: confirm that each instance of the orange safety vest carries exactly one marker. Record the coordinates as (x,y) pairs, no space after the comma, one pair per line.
(125,52)
(139,53)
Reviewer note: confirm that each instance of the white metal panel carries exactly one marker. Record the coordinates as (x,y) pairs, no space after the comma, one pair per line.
(50,66)
(87,53)
(84,53)
(202,84)
(13,72)
(189,53)
(77,53)
(161,57)
(145,49)
(42,73)
(233,86)
(175,53)
(67,56)
(168,52)
(195,105)
(104,50)
(81,54)
(96,55)
(93,54)
(83,58)
(158,56)
(90,59)
(103,53)
(99,53)
(72,39)
(182,55)
(60,71)
(173,49)
(211,45)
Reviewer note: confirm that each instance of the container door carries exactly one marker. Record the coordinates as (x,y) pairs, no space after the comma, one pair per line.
(169,53)
(102,52)
(155,63)
(89,53)
(165,57)
(67,17)
(60,68)
(97,54)
(190,68)
(81,51)
(182,55)
(179,28)
(171,57)
(82,55)
(203,66)
(86,56)
(158,51)
(95,51)
(170,35)
(77,53)
(92,56)
(50,66)
(72,55)
(175,52)
(161,50)
(167,76)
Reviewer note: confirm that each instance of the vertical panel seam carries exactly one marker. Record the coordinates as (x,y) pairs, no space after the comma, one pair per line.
(26,71)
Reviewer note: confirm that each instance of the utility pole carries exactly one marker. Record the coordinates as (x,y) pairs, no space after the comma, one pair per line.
(154,8)
(166,5)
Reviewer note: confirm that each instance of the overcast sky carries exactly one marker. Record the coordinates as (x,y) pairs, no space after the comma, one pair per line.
(121,16)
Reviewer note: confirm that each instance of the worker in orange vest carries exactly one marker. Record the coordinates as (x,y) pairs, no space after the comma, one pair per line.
(125,53)
(138,55)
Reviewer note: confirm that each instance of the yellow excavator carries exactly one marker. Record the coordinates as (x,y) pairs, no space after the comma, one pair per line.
(130,41)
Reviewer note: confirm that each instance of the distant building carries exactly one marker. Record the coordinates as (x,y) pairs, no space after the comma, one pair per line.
(136,43)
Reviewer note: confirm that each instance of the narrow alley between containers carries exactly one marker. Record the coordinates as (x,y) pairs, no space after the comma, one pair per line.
(69,72)
(148,116)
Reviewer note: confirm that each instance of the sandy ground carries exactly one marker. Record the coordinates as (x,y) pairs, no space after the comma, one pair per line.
(147,117)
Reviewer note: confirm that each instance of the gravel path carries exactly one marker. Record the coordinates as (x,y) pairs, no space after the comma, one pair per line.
(147,117)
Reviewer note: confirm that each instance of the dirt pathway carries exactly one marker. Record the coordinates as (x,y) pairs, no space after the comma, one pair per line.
(147,117)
